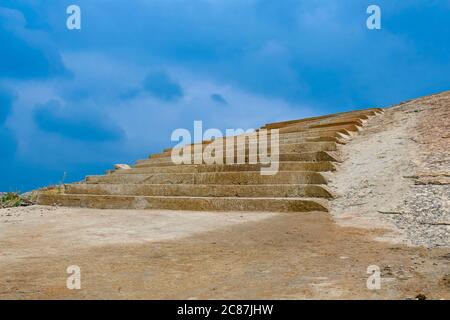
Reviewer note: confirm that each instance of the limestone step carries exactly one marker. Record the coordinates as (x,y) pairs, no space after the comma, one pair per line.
(282,166)
(297,129)
(283,148)
(287,140)
(303,156)
(186,190)
(234,178)
(334,132)
(356,122)
(284,139)
(326,125)
(186,203)
(301,136)
(367,112)
(309,150)
(316,139)
(331,125)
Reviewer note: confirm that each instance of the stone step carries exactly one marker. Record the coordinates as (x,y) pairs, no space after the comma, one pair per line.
(296,129)
(186,203)
(304,156)
(233,178)
(189,190)
(286,140)
(283,148)
(316,139)
(301,136)
(356,122)
(309,150)
(282,166)
(325,125)
(283,139)
(333,132)
(367,113)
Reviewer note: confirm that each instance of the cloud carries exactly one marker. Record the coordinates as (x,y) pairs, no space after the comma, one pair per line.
(161,86)
(298,51)
(91,127)
(26,53)
(218,99)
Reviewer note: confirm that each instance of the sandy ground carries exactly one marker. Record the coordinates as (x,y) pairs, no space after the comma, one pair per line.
(152,254)
(164,254)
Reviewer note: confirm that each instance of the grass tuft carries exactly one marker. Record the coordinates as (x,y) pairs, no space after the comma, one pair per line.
(13,199)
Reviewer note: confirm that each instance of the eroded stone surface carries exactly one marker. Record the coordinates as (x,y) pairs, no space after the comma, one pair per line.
(395,174)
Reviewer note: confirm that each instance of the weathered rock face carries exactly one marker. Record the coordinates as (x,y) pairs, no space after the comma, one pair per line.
(395,174)
(308,151)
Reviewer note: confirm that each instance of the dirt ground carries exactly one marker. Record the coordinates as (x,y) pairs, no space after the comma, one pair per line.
(155,254)
(164,254)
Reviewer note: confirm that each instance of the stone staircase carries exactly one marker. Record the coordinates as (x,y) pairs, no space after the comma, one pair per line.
(308,153)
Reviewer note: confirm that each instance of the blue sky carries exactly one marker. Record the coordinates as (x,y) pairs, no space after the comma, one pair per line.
(74,102)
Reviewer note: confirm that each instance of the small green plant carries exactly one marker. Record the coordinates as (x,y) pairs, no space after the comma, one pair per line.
(13,199)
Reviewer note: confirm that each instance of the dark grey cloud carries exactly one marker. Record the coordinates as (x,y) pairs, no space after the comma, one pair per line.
(160,85)
(93,127)
(26,53)
(218,99)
